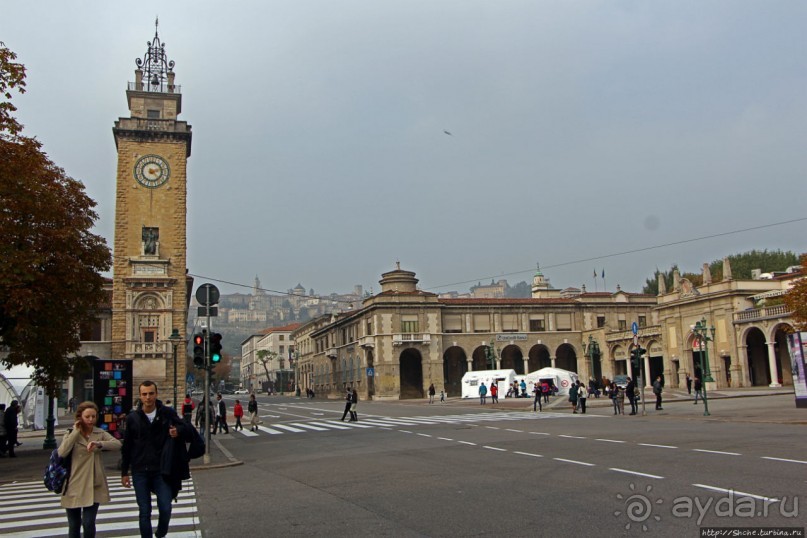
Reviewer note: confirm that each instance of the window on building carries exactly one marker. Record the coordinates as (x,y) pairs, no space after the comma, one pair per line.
(600,322)
(369,328)
(409,323)
(282,350)
(281,337)
(563,322)
(623,325)
(537,325)
(452,324)
(510,323)
(148,335)
(481,323)
(642,321)
(153,114)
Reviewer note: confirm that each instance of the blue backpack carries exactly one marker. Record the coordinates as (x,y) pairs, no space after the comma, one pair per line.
(57,474)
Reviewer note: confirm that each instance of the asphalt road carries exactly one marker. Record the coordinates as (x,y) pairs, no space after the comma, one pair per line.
(461,469)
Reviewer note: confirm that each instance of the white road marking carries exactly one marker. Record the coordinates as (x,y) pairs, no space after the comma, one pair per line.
(609,440)
(572,436)
(353,424)
(716,452)
(528,454)
(512,430)
(467,443)
(269,430)
(424,435)
(445,439)
(574,461)
(636,473)
(310,427)
(657,446)
(494,448)
(288,428)
(331,425)
(248,433)
(737,493)
(783,459)
(539,433)
(492,427)
(404,431)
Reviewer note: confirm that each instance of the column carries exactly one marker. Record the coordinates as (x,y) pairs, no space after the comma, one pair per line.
(470,364)
(498,363)
(552,361)
(647,382)
(772,363)
(526,364)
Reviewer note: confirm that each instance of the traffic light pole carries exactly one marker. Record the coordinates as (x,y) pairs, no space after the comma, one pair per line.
(207,400)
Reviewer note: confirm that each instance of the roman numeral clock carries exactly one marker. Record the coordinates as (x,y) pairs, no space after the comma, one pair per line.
(150,287)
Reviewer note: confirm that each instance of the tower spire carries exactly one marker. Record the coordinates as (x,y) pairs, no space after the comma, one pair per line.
(157,71)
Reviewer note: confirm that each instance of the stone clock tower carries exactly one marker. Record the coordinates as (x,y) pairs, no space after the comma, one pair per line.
(150,287)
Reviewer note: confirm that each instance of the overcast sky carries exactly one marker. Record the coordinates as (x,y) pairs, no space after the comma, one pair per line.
(579,129)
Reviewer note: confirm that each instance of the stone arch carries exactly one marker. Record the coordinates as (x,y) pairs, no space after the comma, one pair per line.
(480,359)
(784,363)
(512,358)
(411,364)
(539,358)
(455,364)
(756,351)
(566,357)
(656,362)
(149,301)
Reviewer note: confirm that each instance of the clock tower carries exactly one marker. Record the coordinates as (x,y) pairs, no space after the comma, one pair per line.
(151,289)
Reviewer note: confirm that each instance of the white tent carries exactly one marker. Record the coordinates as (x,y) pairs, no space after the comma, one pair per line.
(16,384)
(471,381)
(562,379)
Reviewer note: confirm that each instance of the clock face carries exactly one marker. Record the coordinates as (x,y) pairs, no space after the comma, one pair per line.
(151,171)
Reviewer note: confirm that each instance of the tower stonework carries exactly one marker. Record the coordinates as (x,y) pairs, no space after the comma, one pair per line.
(150,295)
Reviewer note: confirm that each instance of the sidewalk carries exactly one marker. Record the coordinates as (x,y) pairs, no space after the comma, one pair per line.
(32,459)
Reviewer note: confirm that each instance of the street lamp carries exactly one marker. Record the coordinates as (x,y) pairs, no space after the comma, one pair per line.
(593,353)
(175,338)
(701,332)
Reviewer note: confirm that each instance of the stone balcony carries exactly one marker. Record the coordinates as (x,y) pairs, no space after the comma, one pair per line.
(411,338)
(759,314)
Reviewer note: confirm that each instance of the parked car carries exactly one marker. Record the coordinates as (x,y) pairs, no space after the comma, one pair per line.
(242,391)
(621,381)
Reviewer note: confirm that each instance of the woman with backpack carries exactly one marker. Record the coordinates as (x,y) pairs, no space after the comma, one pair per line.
(87,486)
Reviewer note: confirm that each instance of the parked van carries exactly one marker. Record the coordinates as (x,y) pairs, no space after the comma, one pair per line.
(471,381)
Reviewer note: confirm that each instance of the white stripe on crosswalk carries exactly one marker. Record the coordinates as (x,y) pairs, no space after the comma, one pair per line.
(331,425)
(310,426)
(32,511)
(289,428)
(270,431)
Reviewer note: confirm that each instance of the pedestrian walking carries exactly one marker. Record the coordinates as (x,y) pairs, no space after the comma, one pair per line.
(483,393)
(573,395)
(187,408)
(545,389)
(153,449)
(620,401)
(523,387)
(658,387)
(10,422)
(431,393)
(536,403)
(698,389)
(613,392)
(354,402)
(631,390)
(689,385)
(3,438)
(442,396)
(87,487)
(582,395)
(238,412)
(221,414)
(348,404)
(72,404)
(252,409)
(494,393)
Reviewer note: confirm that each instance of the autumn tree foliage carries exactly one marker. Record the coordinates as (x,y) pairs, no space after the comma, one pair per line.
(50,261)
(796,298)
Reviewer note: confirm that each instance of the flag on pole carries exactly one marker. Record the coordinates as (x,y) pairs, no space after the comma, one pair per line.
(603,274)
(595,273)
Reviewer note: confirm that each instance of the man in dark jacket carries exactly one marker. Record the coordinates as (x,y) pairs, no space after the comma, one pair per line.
(12,426)
(630,390)
(151,431)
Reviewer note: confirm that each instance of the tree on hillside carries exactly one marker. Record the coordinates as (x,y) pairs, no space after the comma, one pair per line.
(796,298)
(520,290)
(50,262)
(741,266)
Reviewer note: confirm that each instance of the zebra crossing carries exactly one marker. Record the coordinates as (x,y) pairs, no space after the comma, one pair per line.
(372,421)
(28,510)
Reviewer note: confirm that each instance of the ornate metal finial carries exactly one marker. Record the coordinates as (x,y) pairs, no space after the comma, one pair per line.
(154,64)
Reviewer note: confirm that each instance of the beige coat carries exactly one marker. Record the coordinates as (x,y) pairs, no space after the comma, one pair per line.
(87,483)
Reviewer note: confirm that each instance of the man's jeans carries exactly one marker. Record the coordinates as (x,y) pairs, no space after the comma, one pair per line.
(146,483)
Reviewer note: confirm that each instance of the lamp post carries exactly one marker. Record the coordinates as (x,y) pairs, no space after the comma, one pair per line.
(593,353)
(175,338)
(701,332)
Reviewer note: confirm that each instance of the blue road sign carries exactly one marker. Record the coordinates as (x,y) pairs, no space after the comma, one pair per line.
(189,379)
(635,328)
